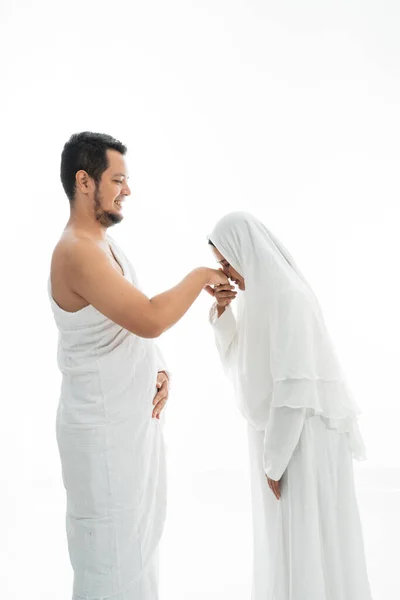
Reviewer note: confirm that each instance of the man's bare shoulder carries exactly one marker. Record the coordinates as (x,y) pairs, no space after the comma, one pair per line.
(73,259)
(83,274)
(74,250)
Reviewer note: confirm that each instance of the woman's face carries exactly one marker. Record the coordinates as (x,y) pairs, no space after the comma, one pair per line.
(228,269)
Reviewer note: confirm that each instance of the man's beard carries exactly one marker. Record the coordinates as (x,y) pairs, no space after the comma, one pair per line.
(104,217)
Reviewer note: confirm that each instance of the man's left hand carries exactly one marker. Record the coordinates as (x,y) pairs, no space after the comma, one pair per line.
(161,397)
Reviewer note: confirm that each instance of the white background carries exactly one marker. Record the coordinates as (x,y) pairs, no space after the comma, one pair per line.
(286,109)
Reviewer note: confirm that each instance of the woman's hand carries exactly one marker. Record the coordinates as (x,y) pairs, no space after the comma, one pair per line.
(224,294)
(275,487)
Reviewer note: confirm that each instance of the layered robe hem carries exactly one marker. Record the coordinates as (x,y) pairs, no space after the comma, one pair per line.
(309,544)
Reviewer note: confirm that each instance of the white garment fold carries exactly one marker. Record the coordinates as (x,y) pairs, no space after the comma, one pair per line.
(112,453)
(302,423)
(277,351)
(309,544)
(281,437)
(225,335)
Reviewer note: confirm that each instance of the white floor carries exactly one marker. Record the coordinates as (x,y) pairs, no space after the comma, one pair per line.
(208,554)
(206,549)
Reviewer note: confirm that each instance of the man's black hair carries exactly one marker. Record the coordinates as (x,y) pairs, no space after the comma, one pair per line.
(86,151)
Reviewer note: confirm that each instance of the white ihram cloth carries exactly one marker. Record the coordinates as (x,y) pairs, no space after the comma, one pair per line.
(302,424)
(112,453)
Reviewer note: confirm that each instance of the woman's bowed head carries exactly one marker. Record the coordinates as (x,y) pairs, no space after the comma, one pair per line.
(227,268)
(224,294)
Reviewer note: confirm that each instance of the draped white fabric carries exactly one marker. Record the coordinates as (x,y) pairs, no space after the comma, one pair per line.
(112,454)
(280,353)
(302,424)
(308,545)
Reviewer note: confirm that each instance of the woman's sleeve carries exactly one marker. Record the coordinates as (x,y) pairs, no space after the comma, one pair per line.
(282,435)
(292,368)
(225,334)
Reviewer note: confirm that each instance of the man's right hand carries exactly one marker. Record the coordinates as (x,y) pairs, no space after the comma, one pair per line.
(217,277)
(89,274)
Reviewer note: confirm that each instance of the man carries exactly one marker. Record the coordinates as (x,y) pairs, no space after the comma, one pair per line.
(109,429)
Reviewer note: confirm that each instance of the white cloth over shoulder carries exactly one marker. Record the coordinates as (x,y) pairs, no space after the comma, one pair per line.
(112,453)
(278,352)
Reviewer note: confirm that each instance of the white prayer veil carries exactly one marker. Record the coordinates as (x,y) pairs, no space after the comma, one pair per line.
(282,355)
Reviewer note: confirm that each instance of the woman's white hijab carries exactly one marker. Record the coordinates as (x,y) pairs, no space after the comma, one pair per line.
(282,354)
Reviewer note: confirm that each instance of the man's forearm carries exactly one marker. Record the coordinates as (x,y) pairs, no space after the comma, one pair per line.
(171,305)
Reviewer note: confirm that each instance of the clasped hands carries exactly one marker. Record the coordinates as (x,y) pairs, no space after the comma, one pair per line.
(223,294)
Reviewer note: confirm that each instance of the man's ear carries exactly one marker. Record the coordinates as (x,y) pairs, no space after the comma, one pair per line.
(83,182)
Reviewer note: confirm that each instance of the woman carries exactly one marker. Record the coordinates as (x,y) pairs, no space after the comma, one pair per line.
(302,421)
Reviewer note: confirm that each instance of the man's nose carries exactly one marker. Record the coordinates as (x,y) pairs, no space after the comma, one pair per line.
(127,190)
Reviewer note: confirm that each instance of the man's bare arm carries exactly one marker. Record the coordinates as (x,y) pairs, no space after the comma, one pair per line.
(92,277)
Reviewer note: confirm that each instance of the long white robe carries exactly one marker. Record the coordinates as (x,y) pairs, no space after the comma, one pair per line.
(309,544)
(112,454)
